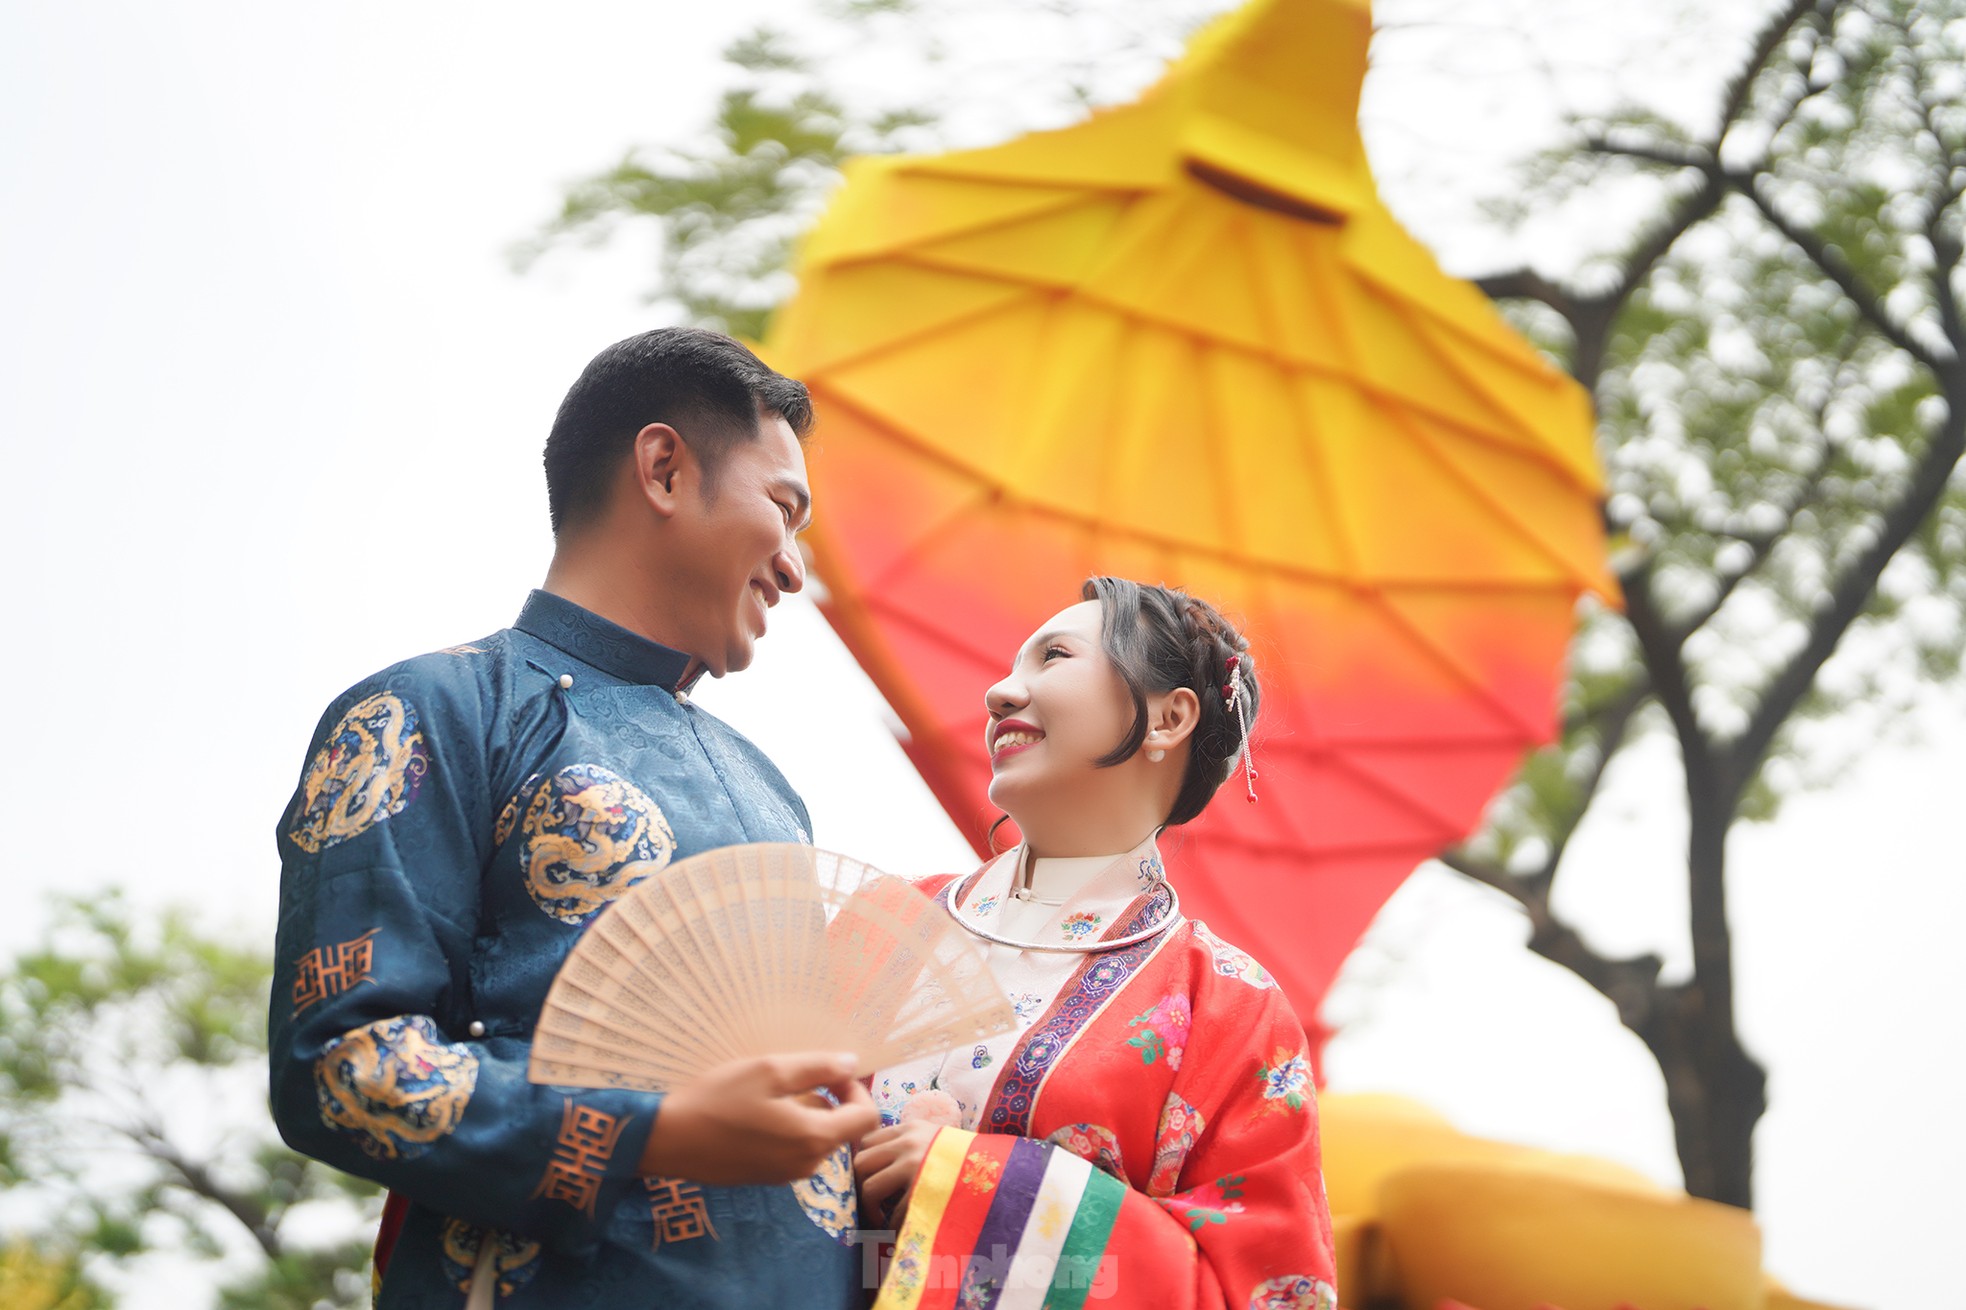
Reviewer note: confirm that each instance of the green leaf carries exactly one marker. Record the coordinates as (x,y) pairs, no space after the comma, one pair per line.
(762,50)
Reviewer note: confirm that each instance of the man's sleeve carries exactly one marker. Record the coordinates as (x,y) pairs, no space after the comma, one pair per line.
(379,1064)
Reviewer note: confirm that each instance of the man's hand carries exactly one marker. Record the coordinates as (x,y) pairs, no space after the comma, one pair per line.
(886,1165)
(753,1121)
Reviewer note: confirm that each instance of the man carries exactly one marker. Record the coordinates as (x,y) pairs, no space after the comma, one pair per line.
(463,815)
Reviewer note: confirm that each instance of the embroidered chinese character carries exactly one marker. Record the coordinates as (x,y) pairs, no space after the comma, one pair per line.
(331,970)
(587,1139)
(676,1205)
(980,1173)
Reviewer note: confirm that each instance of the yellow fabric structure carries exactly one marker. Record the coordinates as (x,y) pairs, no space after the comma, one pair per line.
(1184,341)
(1426,1214)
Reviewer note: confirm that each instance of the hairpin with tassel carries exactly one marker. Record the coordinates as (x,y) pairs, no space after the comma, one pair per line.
(1237,699)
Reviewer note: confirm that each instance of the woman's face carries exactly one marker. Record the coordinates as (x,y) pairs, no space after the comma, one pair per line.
(1062,707)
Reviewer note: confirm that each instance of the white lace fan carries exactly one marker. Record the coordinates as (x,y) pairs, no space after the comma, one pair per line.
(758,950)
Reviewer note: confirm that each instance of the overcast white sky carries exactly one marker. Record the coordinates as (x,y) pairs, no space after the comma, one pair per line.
(270,411)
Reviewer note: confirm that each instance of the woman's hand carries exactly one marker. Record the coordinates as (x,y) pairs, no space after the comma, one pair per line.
(886,1165)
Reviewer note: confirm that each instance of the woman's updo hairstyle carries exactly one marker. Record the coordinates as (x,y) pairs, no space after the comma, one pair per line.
(1160,639)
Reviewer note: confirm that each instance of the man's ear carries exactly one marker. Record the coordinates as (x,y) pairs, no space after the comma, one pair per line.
(663,461)
(1172,718)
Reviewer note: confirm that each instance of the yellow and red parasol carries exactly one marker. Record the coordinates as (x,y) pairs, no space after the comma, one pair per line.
(1185,342)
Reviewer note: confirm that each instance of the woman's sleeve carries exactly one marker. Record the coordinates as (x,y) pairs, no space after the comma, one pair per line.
(1233,1216)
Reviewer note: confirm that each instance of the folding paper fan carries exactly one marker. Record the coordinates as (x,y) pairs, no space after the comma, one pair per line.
(758,950)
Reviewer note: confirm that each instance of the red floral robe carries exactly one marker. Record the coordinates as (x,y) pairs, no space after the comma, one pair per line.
(1146,1137)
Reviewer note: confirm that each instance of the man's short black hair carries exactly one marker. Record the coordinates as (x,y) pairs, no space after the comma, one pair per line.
(708,387)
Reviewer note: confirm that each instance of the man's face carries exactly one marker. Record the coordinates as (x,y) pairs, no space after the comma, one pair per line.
(737,548)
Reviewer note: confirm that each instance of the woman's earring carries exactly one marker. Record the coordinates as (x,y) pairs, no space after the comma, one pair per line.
(1156,756)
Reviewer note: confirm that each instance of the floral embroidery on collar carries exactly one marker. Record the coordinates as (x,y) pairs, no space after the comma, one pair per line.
(1080,925)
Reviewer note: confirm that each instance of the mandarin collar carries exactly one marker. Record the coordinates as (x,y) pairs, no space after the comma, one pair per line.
(1124,879)
(601,643)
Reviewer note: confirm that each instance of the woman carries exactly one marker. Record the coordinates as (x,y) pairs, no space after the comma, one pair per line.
(1147,1135)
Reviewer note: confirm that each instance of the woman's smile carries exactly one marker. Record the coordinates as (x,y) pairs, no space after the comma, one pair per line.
(1012,737)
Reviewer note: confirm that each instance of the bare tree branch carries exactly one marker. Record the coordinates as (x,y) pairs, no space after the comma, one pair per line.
(1947,253)
(1625,982)
(1833,263)
(1665,655)
(1612,722)
(1692,209)
(1700,203)
(1699,158)
(1734,100)
(1629,984)
(1945,248)
(1528,284)
(1489,874)
(1850,594)
(1582,717)
(1951,156)
(1762,545)
(197,1179)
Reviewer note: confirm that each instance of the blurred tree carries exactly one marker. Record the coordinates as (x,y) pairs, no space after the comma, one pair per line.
(34,1279)
(132,1113)
(1776,360)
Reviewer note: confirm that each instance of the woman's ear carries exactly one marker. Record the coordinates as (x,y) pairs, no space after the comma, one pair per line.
(660,454)
(1172,718)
